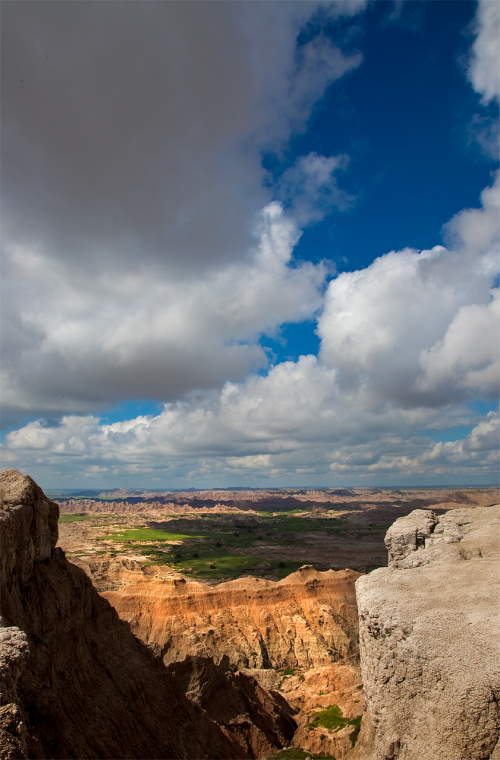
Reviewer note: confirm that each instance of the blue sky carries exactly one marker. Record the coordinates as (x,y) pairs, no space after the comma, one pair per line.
(250,243)
(403,118)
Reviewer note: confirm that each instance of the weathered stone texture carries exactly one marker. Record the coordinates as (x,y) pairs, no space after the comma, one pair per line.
(430,638)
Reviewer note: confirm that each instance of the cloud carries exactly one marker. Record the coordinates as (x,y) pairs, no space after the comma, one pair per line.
(138,262)
(127,128)
(319,64)
(483,71)
(484,61)
(310,189)
(468,355)
(407,16)
(291,424)
(382,325)
(101,338)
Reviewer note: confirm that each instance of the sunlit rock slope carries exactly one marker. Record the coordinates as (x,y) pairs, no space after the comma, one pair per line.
(308,619)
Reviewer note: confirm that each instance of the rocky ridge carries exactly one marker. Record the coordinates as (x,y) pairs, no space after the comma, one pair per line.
(430,639)
(75,682)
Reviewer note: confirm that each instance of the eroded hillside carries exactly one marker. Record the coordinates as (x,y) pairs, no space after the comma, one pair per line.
(297,637)
(76,683)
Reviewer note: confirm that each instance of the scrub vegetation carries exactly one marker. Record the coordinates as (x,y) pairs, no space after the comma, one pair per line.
(333,719)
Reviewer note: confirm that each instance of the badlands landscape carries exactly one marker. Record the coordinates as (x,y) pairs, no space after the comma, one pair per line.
(359,624)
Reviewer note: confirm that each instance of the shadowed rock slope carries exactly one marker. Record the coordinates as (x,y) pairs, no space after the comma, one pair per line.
(74,681)
(430,639)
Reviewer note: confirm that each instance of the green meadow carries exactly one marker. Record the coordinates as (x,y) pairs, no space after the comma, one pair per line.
(333,719)
(73,518)
(212,552)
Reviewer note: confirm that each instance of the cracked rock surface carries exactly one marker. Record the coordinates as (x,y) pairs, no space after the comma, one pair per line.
(430,639)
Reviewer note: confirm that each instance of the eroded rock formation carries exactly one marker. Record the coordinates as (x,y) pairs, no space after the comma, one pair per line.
(74,681)
(430,639)
(304,626)
(308,619)
(257,719)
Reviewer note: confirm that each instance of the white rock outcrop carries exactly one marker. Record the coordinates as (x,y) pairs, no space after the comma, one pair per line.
(430,638)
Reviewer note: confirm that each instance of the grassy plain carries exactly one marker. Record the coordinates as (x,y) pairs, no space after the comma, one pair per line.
(73,518)
(215,536)
(214,552)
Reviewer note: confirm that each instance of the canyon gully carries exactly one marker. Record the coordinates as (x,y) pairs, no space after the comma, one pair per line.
(192,632)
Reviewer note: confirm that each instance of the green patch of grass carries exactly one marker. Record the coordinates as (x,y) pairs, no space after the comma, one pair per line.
(333,719)
(150,534)
(289,672)
(271,528)
(218,565)
(216,551)
(73,518)
(295,753)
(211,563)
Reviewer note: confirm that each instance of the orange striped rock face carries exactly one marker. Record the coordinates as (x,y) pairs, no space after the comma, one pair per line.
(298,637)
(306,620)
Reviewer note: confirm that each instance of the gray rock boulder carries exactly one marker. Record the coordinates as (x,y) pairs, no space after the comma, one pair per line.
(430,638)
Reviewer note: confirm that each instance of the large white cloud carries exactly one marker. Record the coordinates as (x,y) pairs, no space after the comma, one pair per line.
(411,311)
(132,180)
(468,355)
(102,337)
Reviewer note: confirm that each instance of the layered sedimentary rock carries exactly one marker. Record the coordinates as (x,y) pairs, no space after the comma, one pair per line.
(305,626)
(430,639)
(74,681)
(308,619)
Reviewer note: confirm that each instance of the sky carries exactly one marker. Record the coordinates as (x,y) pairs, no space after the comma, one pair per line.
(250,243)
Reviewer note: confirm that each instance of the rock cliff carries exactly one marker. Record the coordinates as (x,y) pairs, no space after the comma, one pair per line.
(430,639)
(308,619)
(257,719)
(304,626)
(74,681)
